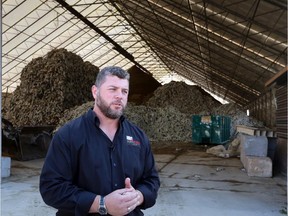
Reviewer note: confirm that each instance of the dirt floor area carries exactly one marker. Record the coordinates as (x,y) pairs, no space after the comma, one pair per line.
(192,183)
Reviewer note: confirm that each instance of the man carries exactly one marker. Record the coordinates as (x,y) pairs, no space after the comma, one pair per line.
(100,163)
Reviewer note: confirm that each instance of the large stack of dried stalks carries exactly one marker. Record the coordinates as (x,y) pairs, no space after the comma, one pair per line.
(50,85)
(187,98)
(160,124)
(56,88)
(164,121)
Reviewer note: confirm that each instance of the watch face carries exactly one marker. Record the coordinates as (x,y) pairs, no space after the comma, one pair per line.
(102,211)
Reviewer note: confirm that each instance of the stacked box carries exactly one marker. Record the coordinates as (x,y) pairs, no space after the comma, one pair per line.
(254,156)
(5,166)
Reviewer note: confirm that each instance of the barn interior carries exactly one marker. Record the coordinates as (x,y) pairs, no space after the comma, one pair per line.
(200,60)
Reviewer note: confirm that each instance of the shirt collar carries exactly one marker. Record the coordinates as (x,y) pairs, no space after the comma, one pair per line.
(92,115)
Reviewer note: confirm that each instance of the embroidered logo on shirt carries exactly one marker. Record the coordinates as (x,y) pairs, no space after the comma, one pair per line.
(131,141)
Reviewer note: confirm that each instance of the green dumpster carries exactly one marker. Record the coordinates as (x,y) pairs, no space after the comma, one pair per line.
(213,129)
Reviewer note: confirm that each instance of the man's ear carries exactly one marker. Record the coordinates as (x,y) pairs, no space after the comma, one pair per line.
(94,91)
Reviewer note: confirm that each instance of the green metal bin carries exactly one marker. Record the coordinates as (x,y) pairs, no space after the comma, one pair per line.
(214,129)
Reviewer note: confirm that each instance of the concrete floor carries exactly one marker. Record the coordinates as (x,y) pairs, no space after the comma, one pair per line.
(193,183)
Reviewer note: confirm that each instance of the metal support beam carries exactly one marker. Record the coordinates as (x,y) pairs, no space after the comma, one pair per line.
(117,47)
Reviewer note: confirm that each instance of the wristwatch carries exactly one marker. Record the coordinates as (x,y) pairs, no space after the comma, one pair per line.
(102,208)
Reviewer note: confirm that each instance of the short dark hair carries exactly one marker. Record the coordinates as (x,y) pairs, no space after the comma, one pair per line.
(111,71)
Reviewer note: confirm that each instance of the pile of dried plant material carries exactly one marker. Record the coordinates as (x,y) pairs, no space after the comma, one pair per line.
(73,113)
(160,124)
(6,98)
(57,88)
(49,85)
(238,116)
(189,99)
(195,101)
(168,123)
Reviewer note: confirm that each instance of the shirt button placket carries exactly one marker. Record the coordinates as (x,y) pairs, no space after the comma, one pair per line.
(114,166)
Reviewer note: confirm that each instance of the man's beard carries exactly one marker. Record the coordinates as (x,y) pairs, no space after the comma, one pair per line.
(106,110)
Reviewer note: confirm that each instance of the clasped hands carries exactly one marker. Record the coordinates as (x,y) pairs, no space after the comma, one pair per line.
(122,201)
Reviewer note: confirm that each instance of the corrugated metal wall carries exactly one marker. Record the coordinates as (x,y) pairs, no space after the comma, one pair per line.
(281,128)
(271,108)
(264,109)
(281,112)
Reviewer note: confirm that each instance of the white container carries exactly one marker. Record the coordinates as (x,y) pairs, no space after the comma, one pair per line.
(5,166)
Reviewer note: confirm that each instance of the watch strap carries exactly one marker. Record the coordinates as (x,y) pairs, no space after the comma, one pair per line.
(101,201)
(102,208)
